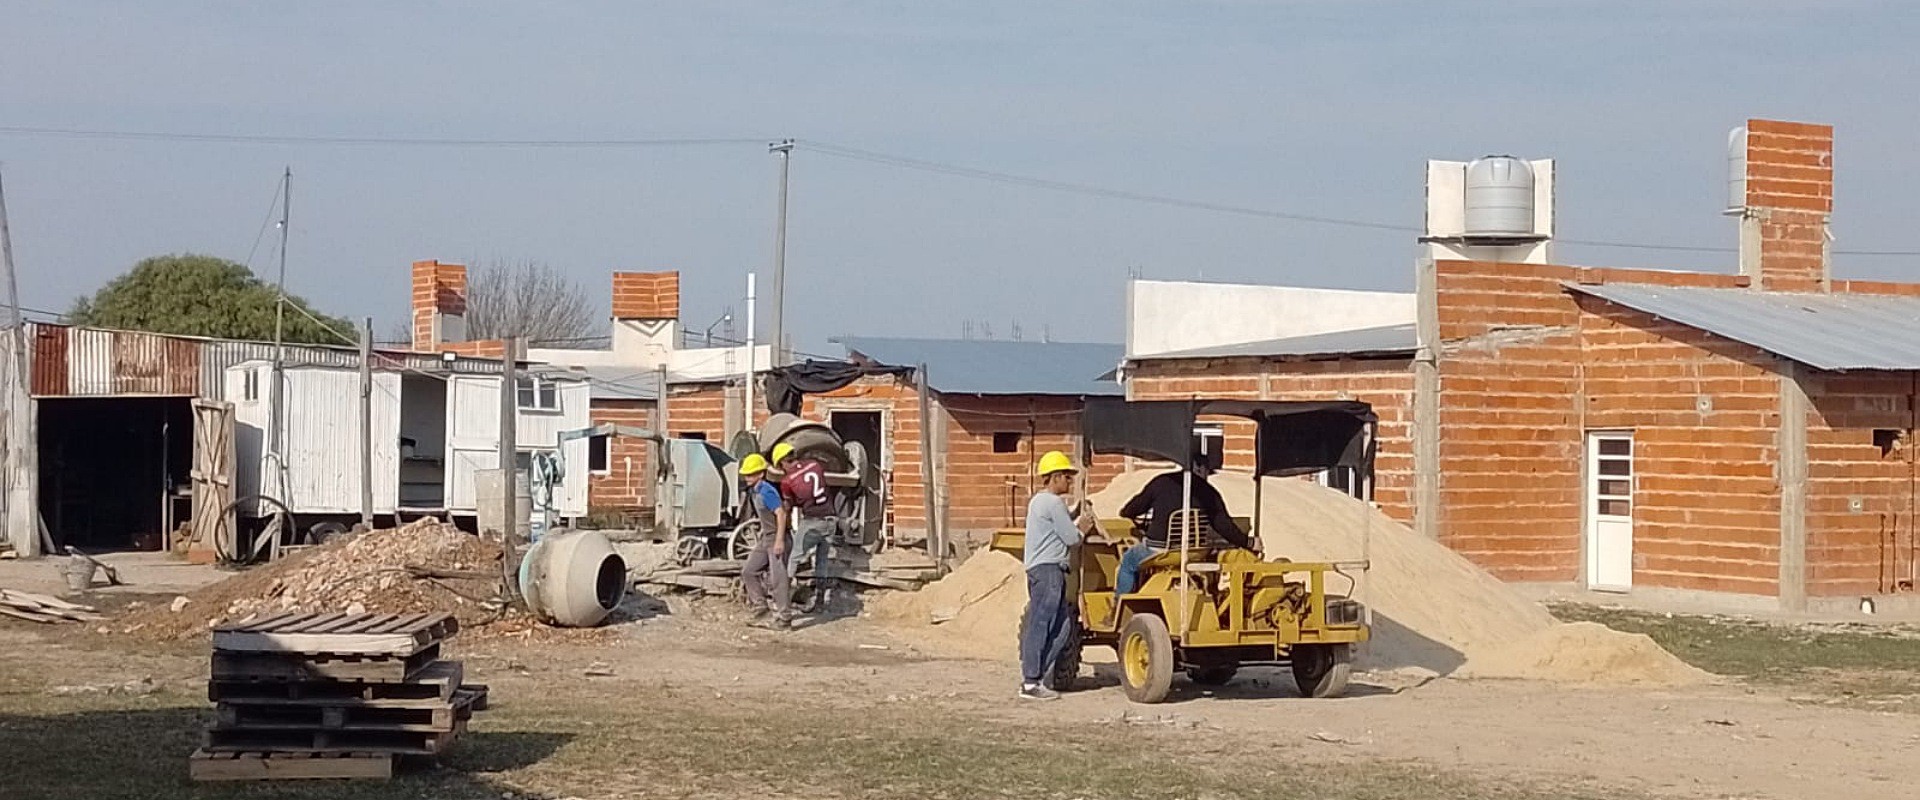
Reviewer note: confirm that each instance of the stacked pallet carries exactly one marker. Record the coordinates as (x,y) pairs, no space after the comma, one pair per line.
(332,696)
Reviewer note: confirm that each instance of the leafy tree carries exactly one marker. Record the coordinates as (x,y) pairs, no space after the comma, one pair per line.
(198,295)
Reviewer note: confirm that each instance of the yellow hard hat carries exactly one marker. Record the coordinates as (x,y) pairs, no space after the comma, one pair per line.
(781,451)
(1056,461)
(753,464)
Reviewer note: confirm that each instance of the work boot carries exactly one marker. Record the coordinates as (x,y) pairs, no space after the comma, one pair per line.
(1035,691)
(756,613)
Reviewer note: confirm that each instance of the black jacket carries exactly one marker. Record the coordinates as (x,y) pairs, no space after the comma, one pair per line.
(1163,496)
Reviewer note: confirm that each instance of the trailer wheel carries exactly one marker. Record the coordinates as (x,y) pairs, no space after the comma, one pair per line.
(324,532)
(1146,658)
(1321,670)
(742,539)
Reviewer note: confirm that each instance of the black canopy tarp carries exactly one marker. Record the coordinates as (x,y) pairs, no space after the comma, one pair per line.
(787,386)
(1294,438)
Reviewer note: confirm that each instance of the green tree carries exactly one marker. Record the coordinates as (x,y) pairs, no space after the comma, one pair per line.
(198,295)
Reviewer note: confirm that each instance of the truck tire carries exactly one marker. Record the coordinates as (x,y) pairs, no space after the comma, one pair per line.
(1321,670)
(1146,658)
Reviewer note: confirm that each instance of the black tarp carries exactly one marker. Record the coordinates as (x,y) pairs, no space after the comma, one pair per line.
(1295,438)
(787,386)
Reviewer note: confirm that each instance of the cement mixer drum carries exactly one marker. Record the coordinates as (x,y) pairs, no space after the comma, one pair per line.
(812,439)
(573,579)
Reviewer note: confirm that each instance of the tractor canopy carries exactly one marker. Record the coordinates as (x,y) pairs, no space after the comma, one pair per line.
(1290,437)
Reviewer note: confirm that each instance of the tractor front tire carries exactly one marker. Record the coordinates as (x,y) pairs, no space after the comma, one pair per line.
(1146,658)
(1212,676)
(1321,670)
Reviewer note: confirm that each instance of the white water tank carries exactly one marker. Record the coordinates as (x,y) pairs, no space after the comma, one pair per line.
(1499,197)
(1737,169)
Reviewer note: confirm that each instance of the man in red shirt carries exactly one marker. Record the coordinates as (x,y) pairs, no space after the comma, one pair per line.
(806,510)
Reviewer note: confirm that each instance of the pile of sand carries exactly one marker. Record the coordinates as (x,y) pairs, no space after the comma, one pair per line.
(363,572)
(1585,652)
(1432,608)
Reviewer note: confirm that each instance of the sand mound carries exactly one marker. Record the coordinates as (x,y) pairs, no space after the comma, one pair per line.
(973,612)
(1585,652)
(367,571)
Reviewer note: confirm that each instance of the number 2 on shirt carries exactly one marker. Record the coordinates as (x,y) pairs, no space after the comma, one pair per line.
(819,490)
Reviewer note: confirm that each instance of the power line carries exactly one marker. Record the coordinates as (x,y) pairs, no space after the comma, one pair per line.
(395,141)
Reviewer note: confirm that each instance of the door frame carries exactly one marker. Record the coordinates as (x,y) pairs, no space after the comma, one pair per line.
(1590,499)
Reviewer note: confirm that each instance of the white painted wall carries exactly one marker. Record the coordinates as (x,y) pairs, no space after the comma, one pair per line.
(473,426)
(322,429)
(1170,316)
(644,345)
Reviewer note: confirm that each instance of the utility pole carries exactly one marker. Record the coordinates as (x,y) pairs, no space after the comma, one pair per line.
(366,423)
(509,469)
(777,333)
(748,424)
(276,434)
(22,516)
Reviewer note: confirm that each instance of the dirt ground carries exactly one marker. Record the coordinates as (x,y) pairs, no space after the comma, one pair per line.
(698,706)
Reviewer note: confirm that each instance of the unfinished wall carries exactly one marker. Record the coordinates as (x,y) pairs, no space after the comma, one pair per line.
(988,490)
(1704,413)
(626,486)
(1789,197)
(1861,484)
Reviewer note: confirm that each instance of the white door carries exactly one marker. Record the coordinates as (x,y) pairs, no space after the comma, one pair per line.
(1609,515)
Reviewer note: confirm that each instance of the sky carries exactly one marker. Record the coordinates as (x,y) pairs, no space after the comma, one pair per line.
(1325,109)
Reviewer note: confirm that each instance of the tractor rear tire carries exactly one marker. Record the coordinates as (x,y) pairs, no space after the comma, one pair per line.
(1212,676)
(1146,658)
(1067,668)
(1321,670)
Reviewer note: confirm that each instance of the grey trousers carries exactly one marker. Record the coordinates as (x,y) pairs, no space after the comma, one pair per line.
(766,578)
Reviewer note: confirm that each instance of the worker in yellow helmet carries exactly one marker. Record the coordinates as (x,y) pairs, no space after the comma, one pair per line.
(1052,532)
(765,574)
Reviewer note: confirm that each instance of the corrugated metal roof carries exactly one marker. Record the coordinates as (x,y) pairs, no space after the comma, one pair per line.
(1824,331)
(971,366)
(1382,341)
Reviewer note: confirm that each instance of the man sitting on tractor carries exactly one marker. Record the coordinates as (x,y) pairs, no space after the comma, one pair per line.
(1164,496)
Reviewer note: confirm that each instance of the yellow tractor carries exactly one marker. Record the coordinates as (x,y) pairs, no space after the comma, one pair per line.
(1200,607)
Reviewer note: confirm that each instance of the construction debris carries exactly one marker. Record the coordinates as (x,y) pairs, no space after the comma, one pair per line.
(41,608)
(897,570)
(285,708)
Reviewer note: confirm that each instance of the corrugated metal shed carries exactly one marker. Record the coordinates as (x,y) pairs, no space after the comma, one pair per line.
(1824,331)
(966,366)
(1390,340)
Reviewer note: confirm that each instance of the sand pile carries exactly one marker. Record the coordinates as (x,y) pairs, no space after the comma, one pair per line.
(1585,652)
(1432,608)
(365,572)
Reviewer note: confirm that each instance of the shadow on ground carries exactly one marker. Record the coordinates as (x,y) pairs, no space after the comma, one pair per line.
(143,754)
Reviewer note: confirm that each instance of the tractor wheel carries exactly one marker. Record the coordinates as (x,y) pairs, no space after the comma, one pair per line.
(1146,658)
(1321,670)
(1067,668)
(1212,676)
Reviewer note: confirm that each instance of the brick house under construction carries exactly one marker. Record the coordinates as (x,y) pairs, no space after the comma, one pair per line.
(1745,434)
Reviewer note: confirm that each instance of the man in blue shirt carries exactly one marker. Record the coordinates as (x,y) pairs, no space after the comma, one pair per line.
(1052,531)
(765,574)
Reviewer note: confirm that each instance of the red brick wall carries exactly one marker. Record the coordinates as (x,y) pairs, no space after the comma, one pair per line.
(1385,384)
(1872,550)
(1790,184)
(1706,505)
(437,289)
(646,295)
(627,484)
(989,490)
(899,405)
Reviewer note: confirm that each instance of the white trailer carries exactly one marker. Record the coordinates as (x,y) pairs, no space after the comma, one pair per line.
(430,434)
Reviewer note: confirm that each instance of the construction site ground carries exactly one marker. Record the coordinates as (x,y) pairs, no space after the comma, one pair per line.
(683,701)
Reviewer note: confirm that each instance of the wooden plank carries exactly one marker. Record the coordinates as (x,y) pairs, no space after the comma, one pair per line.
(252,622)
(206,765)
(315,625)
(44,600)
(234,666)
(389,644)
(281,716)
(368,623)
(345,624)
(434,683)
(30,616)
(309,741)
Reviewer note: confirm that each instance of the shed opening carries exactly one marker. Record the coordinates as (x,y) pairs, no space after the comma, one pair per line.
(115,471)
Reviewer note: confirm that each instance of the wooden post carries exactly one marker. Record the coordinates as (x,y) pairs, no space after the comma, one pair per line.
(936,540)
(508,455)
(658,460)
(366,423)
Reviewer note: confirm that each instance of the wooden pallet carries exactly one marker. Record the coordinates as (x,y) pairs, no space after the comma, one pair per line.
(206,765)
(435,683)
(285,717)
(241,666)
(388,742)
(337,634)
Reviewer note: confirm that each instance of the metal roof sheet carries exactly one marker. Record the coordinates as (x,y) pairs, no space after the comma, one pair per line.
(621,383)
(1384,340)
(973,366)
(1824,331)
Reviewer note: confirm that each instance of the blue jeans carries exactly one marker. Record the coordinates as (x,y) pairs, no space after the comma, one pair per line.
(810,535)
(1044,634)
(1127,577)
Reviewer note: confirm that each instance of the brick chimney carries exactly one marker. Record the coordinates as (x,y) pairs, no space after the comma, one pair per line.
(1783,193)
(646,295)
(439,305)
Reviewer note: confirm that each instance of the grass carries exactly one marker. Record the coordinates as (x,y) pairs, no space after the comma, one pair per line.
(1881,667)
(633,741)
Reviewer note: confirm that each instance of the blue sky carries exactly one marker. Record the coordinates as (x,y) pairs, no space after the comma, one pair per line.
(1323,108)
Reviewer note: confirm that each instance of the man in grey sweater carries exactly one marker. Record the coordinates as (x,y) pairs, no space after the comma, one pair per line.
(1052,531)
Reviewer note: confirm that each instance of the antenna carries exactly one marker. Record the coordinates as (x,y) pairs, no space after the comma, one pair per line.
(1015,333)
(986,330)
(966,330)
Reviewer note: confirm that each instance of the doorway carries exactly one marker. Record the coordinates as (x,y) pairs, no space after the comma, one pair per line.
(862,427)
(1609,511)
(115,472)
